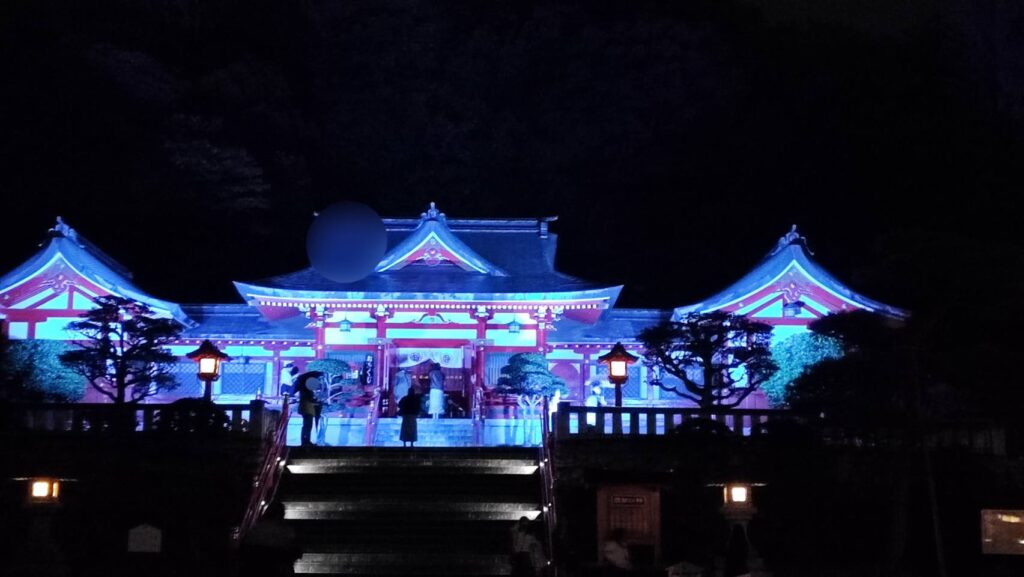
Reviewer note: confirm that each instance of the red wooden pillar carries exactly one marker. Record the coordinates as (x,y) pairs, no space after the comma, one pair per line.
(383,358)
(479,367)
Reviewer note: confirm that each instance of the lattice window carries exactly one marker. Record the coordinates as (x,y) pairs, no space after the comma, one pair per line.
(633,387)
(189,385)
(495,362)
(242,378)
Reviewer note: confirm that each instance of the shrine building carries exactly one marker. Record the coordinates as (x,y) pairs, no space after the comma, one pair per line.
(464,293)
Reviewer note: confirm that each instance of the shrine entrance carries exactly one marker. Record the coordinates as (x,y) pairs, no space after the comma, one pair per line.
(416,363)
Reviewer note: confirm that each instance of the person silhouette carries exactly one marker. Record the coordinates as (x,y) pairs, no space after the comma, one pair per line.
(409,410)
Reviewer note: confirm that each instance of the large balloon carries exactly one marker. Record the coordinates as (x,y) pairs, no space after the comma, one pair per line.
(346,241)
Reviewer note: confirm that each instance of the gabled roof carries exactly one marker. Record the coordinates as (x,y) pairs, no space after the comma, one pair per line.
(433,243)
(476,260)
(92,264)
(788,269)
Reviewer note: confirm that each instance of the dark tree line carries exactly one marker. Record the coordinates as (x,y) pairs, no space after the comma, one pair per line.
(227,123)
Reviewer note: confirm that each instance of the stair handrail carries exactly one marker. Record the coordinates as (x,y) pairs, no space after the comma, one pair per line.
(372,415)
(264,487)
(476,413)
(547,470)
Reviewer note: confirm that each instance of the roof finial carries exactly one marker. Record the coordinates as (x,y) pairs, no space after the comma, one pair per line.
(62,229)
(432,213)
(792,237)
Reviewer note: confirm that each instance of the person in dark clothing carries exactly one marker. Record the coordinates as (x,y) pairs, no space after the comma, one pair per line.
(306,386)
(409,410)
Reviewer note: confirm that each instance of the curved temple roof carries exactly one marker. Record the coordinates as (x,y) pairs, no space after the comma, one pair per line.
(790,255)
(92,264)
(436,258)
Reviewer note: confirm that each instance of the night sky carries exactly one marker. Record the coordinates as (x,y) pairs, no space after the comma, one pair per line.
(676,140)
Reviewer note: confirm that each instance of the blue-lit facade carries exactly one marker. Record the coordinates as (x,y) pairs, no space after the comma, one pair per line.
(464,293)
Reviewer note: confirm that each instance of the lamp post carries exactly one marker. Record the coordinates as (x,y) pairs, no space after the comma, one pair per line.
(618,360)
(738,509)
(209,358)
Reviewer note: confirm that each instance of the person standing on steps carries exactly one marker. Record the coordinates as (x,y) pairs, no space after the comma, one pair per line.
(402,384)
(594,399)
(436,406)
(409,410)
(288,374)
(306,386)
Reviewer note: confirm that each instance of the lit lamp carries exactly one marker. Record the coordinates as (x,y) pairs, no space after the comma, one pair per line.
(514,327)
(209,358)
(345,325)
(618,360)
(44,490)
(737,494)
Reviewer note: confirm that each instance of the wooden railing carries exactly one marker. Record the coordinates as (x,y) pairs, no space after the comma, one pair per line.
(251,418)
(264,487)
(547,469)
(653,421)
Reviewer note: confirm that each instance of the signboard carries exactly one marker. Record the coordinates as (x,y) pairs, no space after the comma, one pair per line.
(1002,532)
(145,539)
(636,509)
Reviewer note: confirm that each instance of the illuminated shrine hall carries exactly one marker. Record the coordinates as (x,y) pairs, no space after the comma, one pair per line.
(464,293)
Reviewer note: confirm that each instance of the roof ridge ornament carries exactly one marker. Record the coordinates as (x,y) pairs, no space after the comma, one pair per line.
(433,214)
(790,238)
(61,229)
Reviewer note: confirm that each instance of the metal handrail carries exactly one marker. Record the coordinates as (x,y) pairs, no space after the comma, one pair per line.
(372,415)
(477,415)
(547,468)
(266,483)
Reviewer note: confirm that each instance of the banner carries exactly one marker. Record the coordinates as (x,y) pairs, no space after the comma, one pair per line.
(447,358)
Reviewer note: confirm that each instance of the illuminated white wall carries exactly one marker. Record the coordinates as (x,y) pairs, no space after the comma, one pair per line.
(17,330)
(354,336)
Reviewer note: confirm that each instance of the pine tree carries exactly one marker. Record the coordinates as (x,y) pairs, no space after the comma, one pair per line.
(121,349)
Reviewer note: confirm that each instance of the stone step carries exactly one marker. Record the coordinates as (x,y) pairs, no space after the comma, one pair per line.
(413,485)
(451,566)
(454,539)
(339,460)
(398,511)
(426,467)
(469,508)
(417,453)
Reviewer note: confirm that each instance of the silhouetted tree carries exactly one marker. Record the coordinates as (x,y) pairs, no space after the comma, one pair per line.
(121,349)
(720,358)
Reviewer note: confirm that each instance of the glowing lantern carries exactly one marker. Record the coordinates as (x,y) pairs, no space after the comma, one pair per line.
(737,494)
(618,361)
(792,310)
(44,489)
(514,327)
(209,358)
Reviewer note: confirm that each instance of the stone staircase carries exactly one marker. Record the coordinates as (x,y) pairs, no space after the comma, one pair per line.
(430,432)
(394,511)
